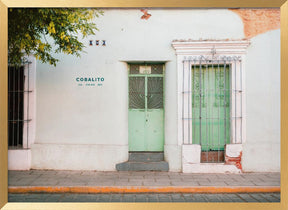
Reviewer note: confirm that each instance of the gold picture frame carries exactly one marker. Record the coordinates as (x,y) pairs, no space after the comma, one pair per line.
(6,4)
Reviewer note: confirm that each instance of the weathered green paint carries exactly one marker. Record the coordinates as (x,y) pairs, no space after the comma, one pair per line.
(146,113)
(211,121)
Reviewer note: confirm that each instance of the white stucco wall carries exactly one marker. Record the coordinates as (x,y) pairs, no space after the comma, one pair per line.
(95,119)
(19,159)
(261,152)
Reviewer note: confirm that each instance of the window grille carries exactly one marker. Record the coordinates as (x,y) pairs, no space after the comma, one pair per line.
(137,92)
(18,105)
(212,104)
(146,90)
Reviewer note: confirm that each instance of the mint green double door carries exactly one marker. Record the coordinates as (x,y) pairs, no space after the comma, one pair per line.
(211,106)
(146,113)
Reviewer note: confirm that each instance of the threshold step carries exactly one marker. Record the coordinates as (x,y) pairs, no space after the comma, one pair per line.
(146,156)
(143,166)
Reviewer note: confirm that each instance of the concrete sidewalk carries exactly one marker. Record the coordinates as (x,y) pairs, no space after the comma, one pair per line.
(50,181)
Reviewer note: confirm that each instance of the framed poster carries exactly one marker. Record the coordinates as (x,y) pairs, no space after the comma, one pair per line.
(83,90)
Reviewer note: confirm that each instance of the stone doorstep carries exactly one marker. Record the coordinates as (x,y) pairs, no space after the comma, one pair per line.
(143,166)
(144,161)
(143,189)
(146,156)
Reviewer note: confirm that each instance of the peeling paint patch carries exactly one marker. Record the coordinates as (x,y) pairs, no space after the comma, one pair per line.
(258,21)
(234,160)
(146,15)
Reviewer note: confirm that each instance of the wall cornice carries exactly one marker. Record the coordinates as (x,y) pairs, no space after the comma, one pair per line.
(216,47)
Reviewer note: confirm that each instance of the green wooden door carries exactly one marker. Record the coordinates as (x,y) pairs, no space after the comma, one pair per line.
(211,107)
(146,114)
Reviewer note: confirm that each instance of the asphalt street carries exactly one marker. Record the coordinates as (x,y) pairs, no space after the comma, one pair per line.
(171,197)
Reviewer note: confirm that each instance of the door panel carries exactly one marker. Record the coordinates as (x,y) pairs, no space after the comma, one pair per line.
(137,126)
(155,130)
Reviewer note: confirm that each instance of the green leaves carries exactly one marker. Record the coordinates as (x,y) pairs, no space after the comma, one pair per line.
(29,30)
